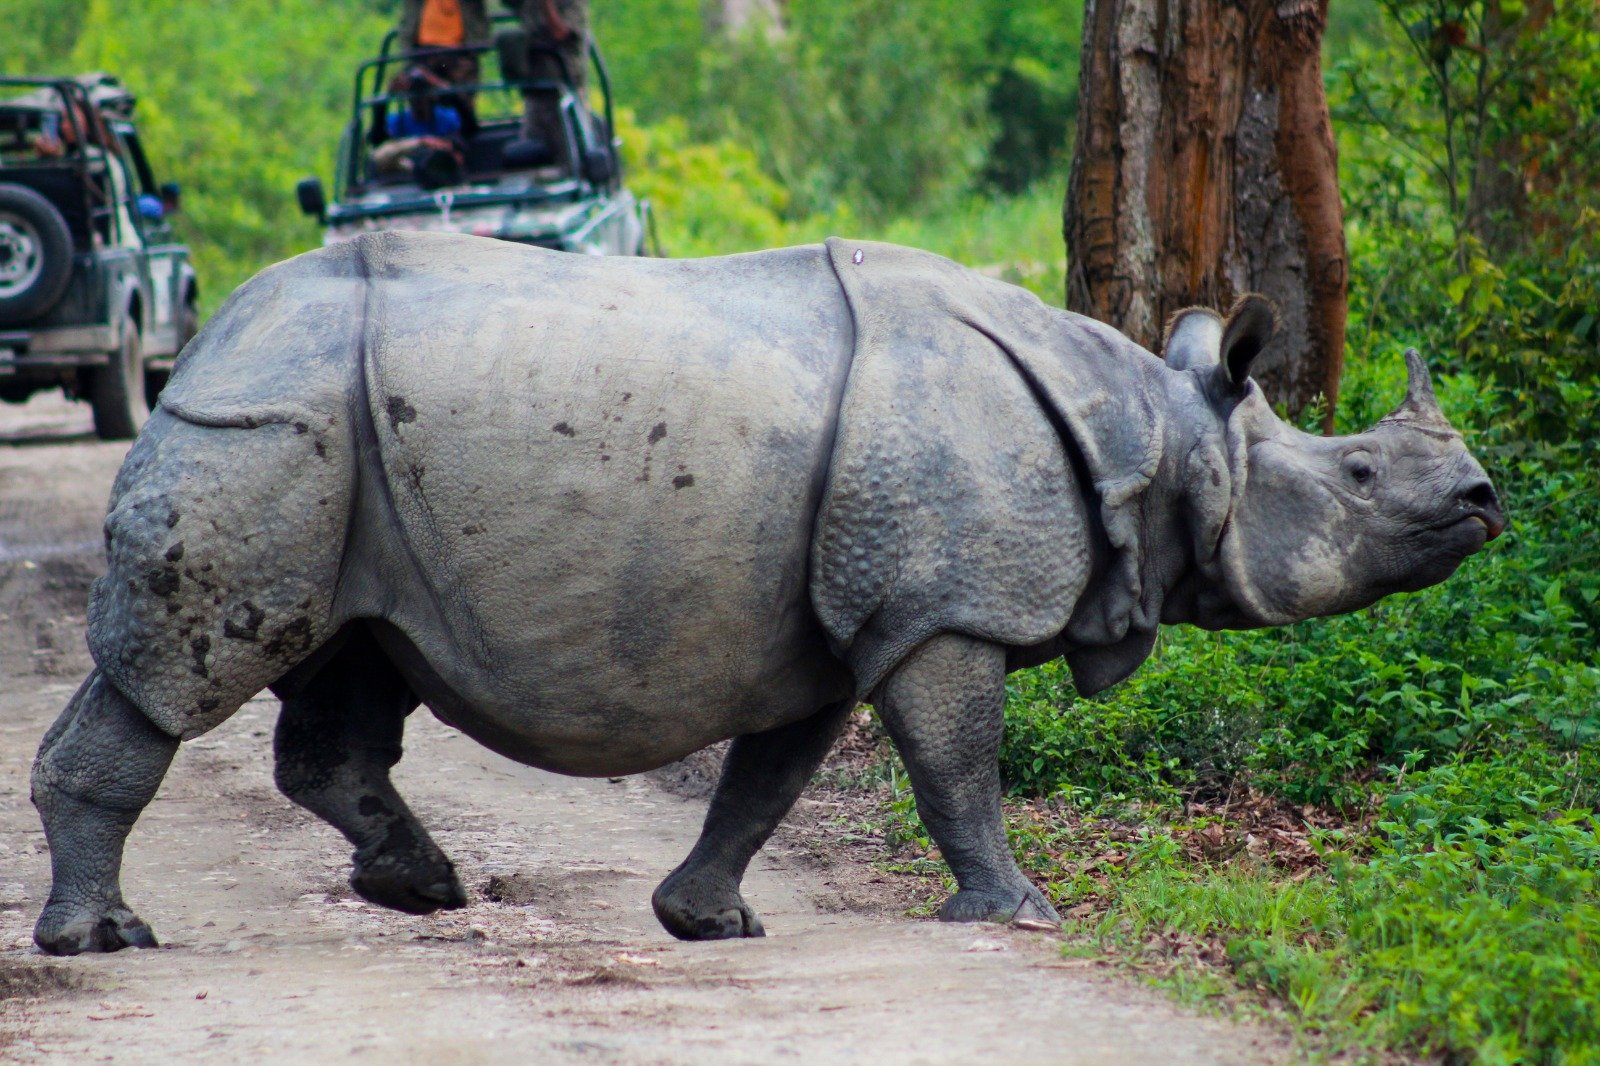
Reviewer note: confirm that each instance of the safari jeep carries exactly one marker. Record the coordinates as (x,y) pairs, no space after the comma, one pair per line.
(97,296)
(561,189)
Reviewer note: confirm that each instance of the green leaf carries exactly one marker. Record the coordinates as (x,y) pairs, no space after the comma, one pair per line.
(1552,595)
(1528,284)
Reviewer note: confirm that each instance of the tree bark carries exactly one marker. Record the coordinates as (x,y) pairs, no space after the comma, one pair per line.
(1205,169)
(734,17)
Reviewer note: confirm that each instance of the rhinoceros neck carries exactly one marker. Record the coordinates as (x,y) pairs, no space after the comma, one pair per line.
(1205,584)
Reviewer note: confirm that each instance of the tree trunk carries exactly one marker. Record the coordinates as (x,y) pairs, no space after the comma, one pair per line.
(734,17)
(1508,166)
(1205,169)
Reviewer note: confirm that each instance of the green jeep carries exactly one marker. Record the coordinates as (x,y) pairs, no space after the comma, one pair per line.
(96,294)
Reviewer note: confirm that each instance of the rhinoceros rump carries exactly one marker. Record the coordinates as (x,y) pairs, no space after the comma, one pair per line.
(600,513)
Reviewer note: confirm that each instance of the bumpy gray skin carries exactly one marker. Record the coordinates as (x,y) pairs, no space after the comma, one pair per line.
(599,514)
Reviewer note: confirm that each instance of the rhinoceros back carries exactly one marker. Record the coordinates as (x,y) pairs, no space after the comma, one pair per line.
(285,347)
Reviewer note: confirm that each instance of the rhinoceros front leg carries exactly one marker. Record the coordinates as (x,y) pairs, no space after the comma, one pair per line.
(944,709)
(99,766)
(762,776)
(337,738)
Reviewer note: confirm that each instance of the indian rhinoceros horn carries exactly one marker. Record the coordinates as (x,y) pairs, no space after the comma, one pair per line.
(1420,404)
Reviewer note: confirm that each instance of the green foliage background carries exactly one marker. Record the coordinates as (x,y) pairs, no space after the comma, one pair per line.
(1456,731)
(866,113)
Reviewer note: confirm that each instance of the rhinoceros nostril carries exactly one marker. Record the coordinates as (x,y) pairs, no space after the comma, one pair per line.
(1479,497)
(1480,494)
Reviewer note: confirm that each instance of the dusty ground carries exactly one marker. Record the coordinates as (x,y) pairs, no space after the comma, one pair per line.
(268,957)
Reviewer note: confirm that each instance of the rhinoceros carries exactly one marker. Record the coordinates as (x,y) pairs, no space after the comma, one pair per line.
(601,513)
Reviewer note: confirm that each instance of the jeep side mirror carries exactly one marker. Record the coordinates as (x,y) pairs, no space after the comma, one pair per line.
(171,197)
(312,200)
(597,167)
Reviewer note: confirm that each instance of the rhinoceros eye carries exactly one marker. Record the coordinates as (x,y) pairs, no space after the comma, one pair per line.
(1359,469)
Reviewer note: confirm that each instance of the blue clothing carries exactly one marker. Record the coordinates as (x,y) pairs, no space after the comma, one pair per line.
(446,123)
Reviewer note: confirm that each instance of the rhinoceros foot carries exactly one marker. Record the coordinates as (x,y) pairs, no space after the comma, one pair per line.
(73,929)
(1024,906)
(697,908)
(408,883)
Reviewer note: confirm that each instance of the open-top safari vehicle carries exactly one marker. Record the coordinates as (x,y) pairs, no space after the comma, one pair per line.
(484,172)
(96,294)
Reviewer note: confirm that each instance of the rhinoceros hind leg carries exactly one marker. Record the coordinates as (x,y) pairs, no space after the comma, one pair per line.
(337,738)
(99,766)
(944,709)
(763,775)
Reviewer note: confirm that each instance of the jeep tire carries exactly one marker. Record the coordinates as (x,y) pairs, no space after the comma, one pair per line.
(116,390)
(35,254)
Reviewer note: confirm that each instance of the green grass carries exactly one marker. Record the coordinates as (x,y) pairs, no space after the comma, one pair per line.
(1481,946)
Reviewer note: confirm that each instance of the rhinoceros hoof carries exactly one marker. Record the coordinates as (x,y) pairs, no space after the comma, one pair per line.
(693,911)
(1025,907)
(409,884)
(73,929)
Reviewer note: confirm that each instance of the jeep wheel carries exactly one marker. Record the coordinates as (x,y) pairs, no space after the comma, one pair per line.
(35,255)
(116,390)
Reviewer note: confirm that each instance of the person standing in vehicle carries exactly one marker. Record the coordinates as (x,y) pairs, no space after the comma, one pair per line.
(428,24)
(439,25)
(559,25)
(557,43)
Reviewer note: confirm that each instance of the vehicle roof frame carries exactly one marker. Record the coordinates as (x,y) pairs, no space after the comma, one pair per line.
(78,104)
(378,68)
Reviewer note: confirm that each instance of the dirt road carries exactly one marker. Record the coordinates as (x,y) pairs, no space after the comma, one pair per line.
(269,958)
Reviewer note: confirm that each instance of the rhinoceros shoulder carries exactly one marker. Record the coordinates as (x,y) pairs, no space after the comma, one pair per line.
(987,443)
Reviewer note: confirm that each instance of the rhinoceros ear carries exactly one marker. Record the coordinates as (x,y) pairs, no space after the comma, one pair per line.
(1193,339)
(1250,327)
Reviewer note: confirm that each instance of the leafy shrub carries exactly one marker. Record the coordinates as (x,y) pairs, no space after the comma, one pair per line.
(1469,927)
(863,103)
(708,198)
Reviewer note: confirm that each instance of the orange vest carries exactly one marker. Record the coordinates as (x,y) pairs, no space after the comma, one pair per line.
(441,24)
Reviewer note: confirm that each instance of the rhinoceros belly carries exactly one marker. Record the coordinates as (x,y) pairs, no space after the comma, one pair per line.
(589,496)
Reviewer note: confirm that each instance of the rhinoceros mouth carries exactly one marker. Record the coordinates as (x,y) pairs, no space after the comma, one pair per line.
(1492,525)
(1466,535)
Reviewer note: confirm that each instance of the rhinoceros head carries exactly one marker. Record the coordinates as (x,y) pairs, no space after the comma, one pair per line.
(1321,525)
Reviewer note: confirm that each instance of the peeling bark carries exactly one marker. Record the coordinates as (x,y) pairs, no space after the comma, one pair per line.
(1205,169)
